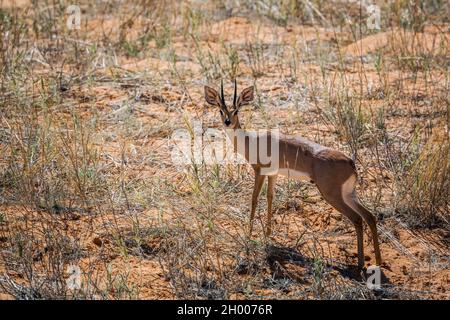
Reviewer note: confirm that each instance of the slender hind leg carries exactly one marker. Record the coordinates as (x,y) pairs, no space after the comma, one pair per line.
(270,187)
(259,180)
(349,195)
(334,197)
(360,241)
(370,219)
(354,217)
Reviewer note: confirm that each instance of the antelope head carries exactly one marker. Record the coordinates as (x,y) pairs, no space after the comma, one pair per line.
(229,117)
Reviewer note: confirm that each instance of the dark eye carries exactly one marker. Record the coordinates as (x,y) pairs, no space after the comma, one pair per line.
(236,111)
(221,112)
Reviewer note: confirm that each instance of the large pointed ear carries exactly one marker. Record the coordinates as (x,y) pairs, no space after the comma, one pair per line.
(245,97)
(212,96)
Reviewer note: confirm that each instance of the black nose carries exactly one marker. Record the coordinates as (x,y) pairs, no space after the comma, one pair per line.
(227,122)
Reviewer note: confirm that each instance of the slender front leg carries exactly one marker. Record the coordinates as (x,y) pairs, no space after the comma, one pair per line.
(259,180)
(270,187)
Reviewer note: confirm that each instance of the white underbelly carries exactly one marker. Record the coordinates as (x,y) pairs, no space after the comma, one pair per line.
(294,174)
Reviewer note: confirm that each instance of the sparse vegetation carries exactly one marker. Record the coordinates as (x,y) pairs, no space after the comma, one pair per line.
(87,181)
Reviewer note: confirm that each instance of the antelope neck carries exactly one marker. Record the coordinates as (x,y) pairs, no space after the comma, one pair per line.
(231,134)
